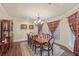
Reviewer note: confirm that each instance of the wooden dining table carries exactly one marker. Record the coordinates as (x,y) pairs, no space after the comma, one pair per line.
(41,41)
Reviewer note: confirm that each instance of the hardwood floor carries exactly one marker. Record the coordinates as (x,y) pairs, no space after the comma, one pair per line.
(16,51)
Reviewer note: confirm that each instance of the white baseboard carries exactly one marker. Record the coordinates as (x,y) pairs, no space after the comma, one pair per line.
(19,40)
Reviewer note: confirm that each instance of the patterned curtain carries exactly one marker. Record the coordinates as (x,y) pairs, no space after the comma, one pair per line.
(53,25)
(74,26)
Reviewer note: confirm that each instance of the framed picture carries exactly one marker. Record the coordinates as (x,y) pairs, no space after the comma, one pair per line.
(23,26)
(31,27)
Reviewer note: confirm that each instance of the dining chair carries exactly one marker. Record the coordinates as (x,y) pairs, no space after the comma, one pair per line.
(49,46)
(35,44)
(30,37)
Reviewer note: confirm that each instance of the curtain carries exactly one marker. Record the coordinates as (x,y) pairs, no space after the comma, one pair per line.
(53,25)
(73,21)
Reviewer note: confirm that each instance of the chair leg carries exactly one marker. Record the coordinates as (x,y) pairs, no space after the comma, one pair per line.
(32,47)
(48,52)
(52,49)
(41,47)
(35,48)
(30,44)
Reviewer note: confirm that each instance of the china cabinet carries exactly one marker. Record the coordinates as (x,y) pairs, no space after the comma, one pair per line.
(6,34)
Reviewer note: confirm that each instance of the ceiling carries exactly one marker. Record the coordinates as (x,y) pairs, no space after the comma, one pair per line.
(31,10)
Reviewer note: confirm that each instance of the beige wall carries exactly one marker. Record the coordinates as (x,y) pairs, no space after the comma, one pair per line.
(18,34)
(3,13)
(64,27)
(45,28)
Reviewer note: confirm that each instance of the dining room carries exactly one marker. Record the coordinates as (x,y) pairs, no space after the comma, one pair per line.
(39,29)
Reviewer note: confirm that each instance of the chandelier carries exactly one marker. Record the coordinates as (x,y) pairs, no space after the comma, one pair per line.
(38,21)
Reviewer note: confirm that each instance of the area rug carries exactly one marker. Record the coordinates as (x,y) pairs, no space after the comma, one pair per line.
(27,51)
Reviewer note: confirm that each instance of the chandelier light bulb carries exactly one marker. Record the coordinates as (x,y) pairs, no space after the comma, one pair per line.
(34,21)
(42,22)
(39,21)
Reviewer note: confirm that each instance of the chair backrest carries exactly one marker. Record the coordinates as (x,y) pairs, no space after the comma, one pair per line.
(28,36)
(51,39)
(35,36)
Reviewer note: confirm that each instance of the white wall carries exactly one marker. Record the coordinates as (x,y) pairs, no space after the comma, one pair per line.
(21,34)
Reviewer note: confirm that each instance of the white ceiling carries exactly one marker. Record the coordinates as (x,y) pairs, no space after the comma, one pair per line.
(30,10)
